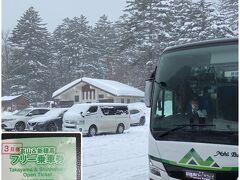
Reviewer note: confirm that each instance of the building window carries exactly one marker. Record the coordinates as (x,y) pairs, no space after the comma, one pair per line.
(76,98)
(122,100)
(128,101)
(100,96)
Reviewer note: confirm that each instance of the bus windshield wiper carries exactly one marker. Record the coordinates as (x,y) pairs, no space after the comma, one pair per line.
(182,126)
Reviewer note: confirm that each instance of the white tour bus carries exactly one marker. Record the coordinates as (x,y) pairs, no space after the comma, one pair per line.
(93,118)
(193,95)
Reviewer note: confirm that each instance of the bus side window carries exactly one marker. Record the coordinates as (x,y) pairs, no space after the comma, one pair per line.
(159,104)
(227,98)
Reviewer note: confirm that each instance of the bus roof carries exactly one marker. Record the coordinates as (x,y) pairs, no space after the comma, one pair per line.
(201,44)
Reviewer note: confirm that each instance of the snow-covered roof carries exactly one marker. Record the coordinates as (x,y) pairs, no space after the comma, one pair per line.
(66,87)
(110,86)
(9,98)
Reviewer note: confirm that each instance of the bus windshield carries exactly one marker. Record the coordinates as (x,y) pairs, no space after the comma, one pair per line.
(195,95)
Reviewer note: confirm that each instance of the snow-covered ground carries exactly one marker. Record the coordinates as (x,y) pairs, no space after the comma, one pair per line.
(117,156)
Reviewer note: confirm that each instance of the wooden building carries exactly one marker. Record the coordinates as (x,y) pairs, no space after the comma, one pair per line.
(12,103)
(89,90)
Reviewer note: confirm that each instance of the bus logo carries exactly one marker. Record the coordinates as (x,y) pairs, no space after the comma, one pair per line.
(194,159)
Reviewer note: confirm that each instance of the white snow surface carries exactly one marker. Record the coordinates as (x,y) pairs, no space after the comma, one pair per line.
(113,87)
(117,156)
(9,98)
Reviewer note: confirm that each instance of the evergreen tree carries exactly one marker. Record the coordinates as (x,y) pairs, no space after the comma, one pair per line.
(105,41)
(6,62)
(31,56)
(203,21)
(228,10)
(182,18)
(73,47)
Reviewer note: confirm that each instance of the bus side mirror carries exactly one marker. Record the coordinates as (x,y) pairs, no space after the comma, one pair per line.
(148,92)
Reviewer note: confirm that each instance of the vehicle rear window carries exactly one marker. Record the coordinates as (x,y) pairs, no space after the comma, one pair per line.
(114,110)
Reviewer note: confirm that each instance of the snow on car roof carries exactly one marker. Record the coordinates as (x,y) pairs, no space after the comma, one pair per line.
(55,112)
(52,114)
(113,87)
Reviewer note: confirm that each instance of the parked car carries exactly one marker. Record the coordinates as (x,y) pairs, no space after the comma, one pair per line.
(137,117)
(18,121)
(97,118)
(51,121)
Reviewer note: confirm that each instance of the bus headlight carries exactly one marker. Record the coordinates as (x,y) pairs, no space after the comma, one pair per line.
(154,169)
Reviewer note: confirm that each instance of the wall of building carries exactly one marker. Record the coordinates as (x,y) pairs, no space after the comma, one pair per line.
(16,104)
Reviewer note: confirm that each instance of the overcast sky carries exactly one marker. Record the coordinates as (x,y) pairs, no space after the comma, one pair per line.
(54,11)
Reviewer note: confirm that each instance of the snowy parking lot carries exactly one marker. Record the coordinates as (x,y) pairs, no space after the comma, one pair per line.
(117,156)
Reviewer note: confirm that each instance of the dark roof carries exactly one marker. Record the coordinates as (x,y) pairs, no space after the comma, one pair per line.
(202,44)
(10,98)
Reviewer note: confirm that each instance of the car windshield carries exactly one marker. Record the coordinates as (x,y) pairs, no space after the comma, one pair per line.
(24,112)
(197,89)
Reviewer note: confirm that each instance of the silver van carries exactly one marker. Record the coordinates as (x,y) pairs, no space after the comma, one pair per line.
(97,118)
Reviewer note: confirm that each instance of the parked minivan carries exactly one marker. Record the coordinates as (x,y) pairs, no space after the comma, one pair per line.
(97,118)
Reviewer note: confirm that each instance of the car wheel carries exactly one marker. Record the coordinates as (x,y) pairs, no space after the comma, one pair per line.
(120,129)
(20,126)
(52,127)
(92,130)
(142,121)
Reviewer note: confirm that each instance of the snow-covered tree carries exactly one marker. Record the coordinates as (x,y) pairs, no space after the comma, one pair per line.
(105,41)
(182,21)
(31,56)
(73,49)
(228,10)
(6,61)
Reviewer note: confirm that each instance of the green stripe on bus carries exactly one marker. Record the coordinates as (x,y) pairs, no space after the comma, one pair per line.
(193,167)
